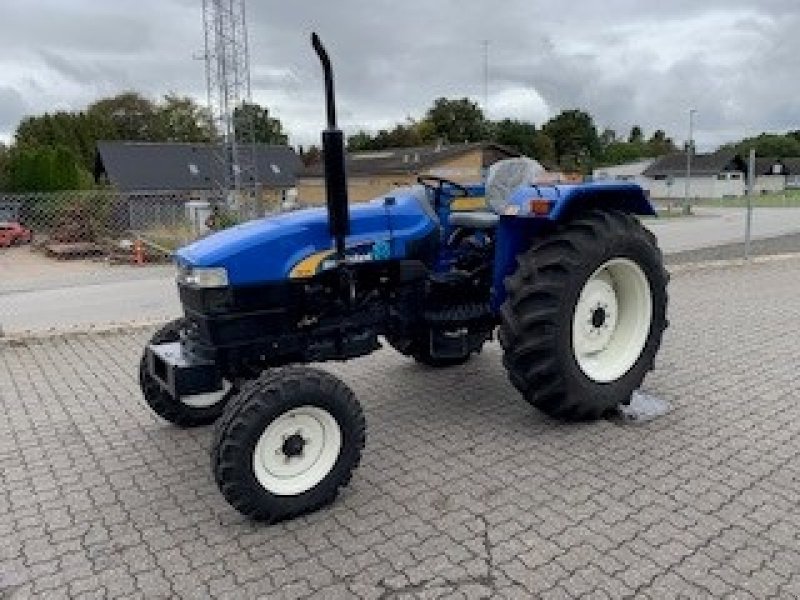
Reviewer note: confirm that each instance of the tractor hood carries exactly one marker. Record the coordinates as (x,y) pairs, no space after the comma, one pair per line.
(269,249)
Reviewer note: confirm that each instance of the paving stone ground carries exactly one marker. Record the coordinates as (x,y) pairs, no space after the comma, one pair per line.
(464,490)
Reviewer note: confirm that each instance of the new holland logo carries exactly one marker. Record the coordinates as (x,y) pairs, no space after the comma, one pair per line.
(321,261)
(329,263)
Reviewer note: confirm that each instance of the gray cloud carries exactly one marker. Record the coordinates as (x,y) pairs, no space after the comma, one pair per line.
(628,62)
(11,106)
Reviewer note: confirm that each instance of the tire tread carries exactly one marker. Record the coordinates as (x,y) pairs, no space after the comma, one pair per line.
(535,292)
(261,396)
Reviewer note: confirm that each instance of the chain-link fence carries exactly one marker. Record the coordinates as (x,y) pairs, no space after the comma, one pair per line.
(142,227)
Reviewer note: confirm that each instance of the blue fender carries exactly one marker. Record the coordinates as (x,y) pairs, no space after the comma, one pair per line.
(519,226)
(566,200)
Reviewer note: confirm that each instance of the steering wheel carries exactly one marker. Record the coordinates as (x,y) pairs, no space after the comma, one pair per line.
(437,184)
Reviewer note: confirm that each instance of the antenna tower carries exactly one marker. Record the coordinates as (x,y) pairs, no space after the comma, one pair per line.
(234,170)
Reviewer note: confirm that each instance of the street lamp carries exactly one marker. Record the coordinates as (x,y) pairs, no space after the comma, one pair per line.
(687,209)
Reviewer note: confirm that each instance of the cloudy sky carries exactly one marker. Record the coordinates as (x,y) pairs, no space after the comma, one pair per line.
(627,62)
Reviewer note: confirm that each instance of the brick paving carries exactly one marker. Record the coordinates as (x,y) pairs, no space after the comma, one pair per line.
(464,490)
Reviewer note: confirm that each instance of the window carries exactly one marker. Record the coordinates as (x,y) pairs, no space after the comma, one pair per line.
(722,176)
(660,177)
(193,169)
(371,155)
(275,169)
(736,176)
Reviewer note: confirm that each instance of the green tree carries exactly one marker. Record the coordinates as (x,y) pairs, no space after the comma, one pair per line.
(251,117)
(636,135)
(181,119)
(71,130)
(544,148)
(772,145)
(659,144)
(46,169)
(523,137)
(520,135)
(360,141)
(457,121)
(126,116)
(574,138)
(618,153)
(402,135)
(4,160)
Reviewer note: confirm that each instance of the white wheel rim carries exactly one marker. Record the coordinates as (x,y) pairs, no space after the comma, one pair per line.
(612,320)
(277,466)
(206,400)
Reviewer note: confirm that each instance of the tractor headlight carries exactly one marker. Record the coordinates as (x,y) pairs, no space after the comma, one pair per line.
(203,277)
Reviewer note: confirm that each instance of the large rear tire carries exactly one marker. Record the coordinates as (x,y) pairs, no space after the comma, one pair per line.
(584,315)
(287,443)
(194,411)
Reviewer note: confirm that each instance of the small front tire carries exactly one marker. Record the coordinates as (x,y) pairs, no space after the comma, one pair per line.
(287,443)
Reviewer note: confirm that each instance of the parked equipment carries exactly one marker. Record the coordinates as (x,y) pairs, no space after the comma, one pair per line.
(572,280)
(12,233)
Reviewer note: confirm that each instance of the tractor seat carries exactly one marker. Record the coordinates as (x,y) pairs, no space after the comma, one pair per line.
(478,219)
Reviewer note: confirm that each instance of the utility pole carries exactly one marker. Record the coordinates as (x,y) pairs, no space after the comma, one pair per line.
(751,184)
(687,209)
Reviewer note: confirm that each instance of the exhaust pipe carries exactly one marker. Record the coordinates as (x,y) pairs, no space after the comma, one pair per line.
(334,157)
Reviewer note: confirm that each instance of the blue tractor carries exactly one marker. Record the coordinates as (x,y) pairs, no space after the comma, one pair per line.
(566,274)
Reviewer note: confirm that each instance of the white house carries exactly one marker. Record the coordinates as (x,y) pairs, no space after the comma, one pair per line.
(632,172)
(720,174)
(776,174)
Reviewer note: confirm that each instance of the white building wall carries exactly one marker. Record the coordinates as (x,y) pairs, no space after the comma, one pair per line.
(626,172)
(770,183)
(700,187)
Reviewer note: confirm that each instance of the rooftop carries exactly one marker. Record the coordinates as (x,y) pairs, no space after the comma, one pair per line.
(141,166)
(408,160)
(702,164)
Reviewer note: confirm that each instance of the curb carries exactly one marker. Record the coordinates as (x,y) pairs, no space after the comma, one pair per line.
(19,338)
(732,262)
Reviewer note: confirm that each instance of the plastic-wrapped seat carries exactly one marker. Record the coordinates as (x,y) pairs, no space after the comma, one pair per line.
(504,177)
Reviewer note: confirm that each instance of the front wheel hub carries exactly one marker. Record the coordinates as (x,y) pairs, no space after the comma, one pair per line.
(293,445)
(297,450)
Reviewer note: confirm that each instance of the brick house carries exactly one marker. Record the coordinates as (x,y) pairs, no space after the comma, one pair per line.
(373,173)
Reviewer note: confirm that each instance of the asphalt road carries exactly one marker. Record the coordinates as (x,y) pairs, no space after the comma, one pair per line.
(81,306)
(716,226)
(39,295)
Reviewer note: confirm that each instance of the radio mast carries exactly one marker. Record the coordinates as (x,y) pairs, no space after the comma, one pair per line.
(234,170)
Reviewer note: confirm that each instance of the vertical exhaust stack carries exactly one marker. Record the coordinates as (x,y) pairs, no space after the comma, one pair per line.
(333,152)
